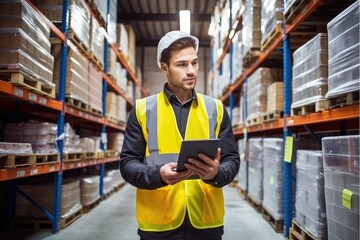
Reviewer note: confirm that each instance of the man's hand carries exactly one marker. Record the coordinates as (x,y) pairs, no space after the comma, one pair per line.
(206,169)
(169,174)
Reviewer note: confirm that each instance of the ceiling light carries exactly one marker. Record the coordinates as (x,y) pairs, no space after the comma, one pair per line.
(185,21)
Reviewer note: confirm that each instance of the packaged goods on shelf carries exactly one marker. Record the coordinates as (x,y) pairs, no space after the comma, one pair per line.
(9,148)
(88,144)
(122,109)
(235,116)
(256,173)
(100,7)
(43,194)
(251,31)
(108,184)
(344,53)
(122,39)
(271,18)
(226,24)
(41,135)
(310,72)
(115,140)
(111,106)
(132,47)
(96,42)
(258,83)
(242,179)
(310,211)
(275,97)
(288,4)
(95,89)
(273,198)
(237,56)
(117,178)
(114,67)
(77,85)
(78,18)
(112,20)
(341,160)
(71,141)
(24,43)
(89,190)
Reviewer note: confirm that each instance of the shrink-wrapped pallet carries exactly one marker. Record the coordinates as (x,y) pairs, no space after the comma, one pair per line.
(43,194)
(341,160)
(115,140)
(344,52)
(24,42)
(90,190)
(116,177)
(251,31)
(310,211)
(310,72)
(273,155)
(256,174)
(271,17)
(96,42)
(237,61)
(242,175)
(95,89)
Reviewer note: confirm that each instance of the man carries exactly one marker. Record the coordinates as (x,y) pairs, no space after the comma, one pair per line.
(172,205)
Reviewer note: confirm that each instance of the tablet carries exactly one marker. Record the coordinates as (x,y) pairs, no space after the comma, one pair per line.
(191,149)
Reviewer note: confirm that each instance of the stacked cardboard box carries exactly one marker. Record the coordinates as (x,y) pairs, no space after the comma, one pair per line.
(89,190)
(96,42)
(256,173)
(95,89)
(275,97)
(341,159)
(271,17)
(251,31)
(112,105)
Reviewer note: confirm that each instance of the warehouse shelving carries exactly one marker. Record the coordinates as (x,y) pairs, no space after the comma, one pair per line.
(347,117)
(60,110)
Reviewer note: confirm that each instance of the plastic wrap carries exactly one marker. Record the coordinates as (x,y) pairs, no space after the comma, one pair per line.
(341,170)
(258,83)
(242,179)
(237,61)
(271,15)
(344,67)
(108,184)
(310,92)
(115,141)
(95,88)
(87,144)
(111,25)
(101,7)
(122,110)
(310,211)
(116,176)
(71,141)
(288,4)
(9,148)
(97,41)
(90,189)
(273,155)
(251,31)
(256,163)
(43,194)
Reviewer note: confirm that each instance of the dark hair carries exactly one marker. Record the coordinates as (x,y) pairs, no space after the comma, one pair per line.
(177,45)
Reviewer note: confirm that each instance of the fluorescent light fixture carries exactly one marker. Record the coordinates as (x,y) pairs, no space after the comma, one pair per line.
(185,21)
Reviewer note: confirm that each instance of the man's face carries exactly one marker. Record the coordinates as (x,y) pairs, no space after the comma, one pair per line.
(182,69)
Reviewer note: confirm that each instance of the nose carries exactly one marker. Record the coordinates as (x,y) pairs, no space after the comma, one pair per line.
(190,70)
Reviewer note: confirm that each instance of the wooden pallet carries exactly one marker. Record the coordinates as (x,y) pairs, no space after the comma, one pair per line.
(111,153)
(296,7)
(112,119)
(88,208)
(95,60)
(24,80)
(351,98)
(13,161)
(92,155)
(313,107)
(251,56)
(76,103)
(276,224)
(72,157)
(64,222)
(273,116)
(46,158)
(272,36)
(241,192)
(254,203)
(73,37)
(297,232)
(119,186)
(255,121)
(94,111)
(109,194)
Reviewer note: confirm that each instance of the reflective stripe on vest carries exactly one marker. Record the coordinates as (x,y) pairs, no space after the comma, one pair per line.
(164,208)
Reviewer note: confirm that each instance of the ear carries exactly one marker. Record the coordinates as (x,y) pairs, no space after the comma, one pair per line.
(164,67)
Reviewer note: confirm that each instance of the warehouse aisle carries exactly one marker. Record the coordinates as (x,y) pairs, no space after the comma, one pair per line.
(114,219)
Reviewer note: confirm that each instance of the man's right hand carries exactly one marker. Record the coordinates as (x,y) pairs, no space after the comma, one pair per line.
(170,176)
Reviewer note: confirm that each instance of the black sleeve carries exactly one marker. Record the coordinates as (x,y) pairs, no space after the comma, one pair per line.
(230,159)
(132,166)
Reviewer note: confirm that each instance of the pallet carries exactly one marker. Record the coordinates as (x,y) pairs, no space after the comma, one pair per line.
(272,36)
(64,222)
(233,183)
(111,153)
(91,206)
(112,119)
(251,56)
(95,60)
(72,157)
(255,121)
(313,107)
(118,187)
(92,155)
(109,194)
(273,116)
(46,158)
(22,79)
(276,224)
(94,111)
(297,232)
(296,7)
(13,161)
(254,204)
(241,192)
(76,103)
(351,98)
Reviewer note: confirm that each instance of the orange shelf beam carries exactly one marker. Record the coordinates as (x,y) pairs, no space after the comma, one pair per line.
(87,163)
(21,172)
(84,115)
(24,94)
(116,88)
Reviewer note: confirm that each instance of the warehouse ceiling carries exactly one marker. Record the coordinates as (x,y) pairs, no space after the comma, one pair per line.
(151,19)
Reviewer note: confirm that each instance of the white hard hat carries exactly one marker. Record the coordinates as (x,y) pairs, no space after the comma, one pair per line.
(171,37)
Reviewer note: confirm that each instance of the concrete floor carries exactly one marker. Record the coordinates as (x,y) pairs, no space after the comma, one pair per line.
(114,219)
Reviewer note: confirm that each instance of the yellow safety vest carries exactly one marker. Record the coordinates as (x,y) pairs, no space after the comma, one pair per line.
(164,208)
